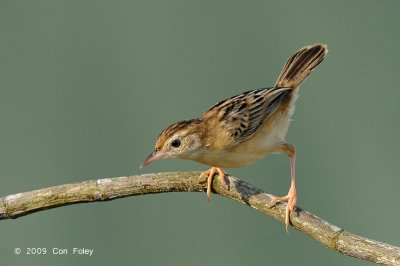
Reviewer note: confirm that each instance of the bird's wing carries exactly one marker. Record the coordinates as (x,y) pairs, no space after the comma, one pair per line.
(240,116)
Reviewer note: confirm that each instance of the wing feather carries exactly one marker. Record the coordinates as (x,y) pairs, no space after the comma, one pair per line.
(240,116)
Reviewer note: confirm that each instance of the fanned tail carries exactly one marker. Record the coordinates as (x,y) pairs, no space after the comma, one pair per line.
(300,65)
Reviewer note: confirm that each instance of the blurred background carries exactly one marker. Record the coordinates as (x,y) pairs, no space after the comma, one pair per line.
(86,87)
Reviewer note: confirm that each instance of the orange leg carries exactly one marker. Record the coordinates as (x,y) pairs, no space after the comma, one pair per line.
(210,173)
(291,197)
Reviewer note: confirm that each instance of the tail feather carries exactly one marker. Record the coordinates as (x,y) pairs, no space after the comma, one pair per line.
(300,65)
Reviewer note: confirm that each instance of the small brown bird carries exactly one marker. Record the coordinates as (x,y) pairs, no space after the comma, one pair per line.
(245,128)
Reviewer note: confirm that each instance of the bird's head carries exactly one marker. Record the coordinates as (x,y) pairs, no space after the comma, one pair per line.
(181,140)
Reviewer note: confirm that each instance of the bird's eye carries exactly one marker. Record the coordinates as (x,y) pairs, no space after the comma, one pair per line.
(176,143)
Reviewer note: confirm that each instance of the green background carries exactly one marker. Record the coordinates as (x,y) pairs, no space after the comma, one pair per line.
(86,86)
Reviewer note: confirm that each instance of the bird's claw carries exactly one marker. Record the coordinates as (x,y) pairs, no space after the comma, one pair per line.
(291,199)
(210,174)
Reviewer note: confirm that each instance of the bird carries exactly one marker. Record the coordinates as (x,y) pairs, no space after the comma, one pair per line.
(240,130)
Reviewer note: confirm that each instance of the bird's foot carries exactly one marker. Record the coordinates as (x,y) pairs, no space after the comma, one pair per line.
(291,199)
(210,174)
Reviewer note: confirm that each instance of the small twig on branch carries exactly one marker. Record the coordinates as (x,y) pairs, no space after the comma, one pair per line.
(329,235)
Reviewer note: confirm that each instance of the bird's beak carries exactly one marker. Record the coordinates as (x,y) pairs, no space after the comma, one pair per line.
(155,155)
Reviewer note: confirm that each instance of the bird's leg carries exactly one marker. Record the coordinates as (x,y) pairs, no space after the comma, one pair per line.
(291,197)
(210,173)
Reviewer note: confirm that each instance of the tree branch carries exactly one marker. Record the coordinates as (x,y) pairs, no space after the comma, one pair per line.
(329,235)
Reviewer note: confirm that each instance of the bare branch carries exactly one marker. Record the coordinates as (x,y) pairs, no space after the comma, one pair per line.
(329,235)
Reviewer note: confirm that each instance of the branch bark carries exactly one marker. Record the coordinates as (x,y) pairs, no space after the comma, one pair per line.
(329,235)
